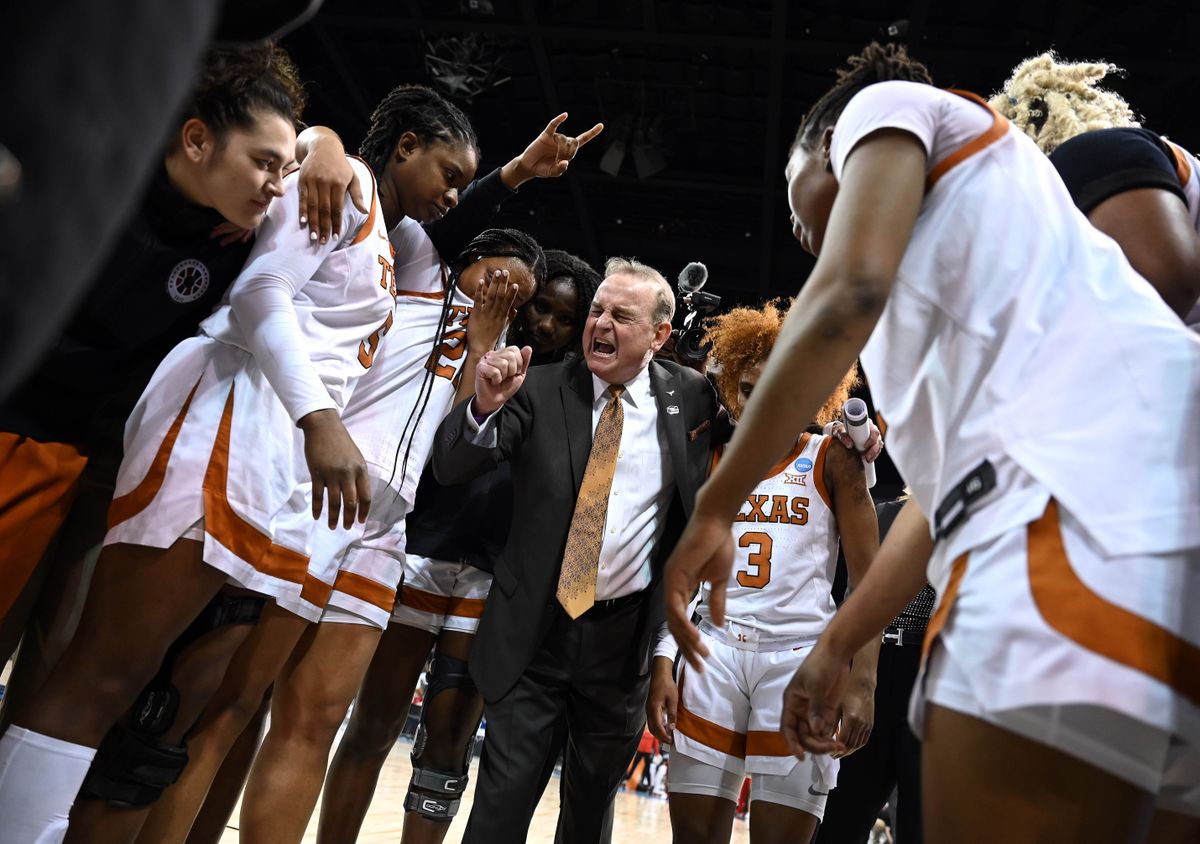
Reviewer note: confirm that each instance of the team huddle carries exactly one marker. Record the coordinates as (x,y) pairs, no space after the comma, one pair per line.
(361,425)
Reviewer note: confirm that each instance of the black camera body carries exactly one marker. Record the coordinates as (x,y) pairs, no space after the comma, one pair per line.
(689,344)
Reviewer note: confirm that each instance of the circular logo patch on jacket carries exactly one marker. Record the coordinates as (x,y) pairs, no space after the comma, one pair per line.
(188,281)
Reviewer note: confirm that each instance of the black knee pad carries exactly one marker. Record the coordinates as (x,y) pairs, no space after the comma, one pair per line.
(433,793)
(448,672)
(131,769)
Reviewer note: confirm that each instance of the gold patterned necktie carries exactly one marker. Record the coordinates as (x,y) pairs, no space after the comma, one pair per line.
(577,580)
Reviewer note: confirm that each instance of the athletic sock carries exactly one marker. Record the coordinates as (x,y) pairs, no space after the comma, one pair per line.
(39,778)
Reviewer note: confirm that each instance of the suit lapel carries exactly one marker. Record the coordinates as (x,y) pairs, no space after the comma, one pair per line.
(668,395)
(577,399)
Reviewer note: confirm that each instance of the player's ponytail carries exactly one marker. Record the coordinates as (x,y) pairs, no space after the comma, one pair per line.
(238,83)
(417,109)
(1052,100)
(876,63)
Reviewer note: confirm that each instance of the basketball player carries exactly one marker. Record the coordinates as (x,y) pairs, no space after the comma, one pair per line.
(1128,180)
(724,725)
(399,404)
(210,490)
(1056,703)
(166,274)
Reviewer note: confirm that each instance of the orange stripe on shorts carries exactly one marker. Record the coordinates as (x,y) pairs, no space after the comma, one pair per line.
(224,525)
(138,499)
(365,589)
(1071,608)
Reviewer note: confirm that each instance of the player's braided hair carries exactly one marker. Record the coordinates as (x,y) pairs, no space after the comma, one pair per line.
(876,63)
(492,243)
(563,266)
(236,83)
(744,337)
(1052,100)
(417,109)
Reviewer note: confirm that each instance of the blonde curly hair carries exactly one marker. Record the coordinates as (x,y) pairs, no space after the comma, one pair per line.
(1052,100)
(743,337)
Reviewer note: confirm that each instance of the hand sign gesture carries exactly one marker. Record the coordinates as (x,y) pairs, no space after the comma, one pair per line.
(549,154)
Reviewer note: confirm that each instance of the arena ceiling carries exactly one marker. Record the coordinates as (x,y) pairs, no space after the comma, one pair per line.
(705,98)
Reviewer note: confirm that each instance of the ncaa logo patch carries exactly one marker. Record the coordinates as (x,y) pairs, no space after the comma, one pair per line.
(188,281)
(803,465)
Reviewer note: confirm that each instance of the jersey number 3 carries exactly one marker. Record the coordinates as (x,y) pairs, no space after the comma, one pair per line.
(759,560)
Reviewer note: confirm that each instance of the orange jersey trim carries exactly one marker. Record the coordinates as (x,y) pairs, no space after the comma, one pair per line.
(419,295)
(764,743)
(369,225)
(706,732)
(778,467)
(224,525)
(1072,609)
(315,591)
(1183,170)
(365,589)
(467,607)
(139,498)
(994,133)
(938,620)
(422,601)
(787,461)
(819,473)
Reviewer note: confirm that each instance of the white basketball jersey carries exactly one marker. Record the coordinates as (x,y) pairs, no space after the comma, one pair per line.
(785,549)
(344,294)
(1018,333)
(398,405)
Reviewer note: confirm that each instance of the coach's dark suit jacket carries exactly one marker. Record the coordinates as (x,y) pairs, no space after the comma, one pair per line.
(545,433)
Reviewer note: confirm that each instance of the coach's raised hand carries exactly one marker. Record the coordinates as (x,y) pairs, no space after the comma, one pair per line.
(337,468)
(498,377)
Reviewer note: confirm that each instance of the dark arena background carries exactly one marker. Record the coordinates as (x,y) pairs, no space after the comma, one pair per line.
(700,100)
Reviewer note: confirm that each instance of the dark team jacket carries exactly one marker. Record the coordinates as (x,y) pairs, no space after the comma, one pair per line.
(463,523)
(165,275)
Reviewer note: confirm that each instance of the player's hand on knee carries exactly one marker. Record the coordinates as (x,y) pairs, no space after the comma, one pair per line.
(498,377)
(337,468)
(810,704)
(662,704)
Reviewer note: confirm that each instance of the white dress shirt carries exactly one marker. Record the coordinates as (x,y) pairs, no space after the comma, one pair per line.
(642,485)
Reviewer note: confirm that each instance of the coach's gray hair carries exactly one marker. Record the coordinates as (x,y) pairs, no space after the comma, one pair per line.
(664,297)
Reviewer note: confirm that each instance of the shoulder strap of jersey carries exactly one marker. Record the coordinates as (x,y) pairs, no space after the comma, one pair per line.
(980,142)
(1183,167)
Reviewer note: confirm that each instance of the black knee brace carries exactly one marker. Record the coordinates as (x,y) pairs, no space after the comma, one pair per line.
(432,793)
(132,767)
